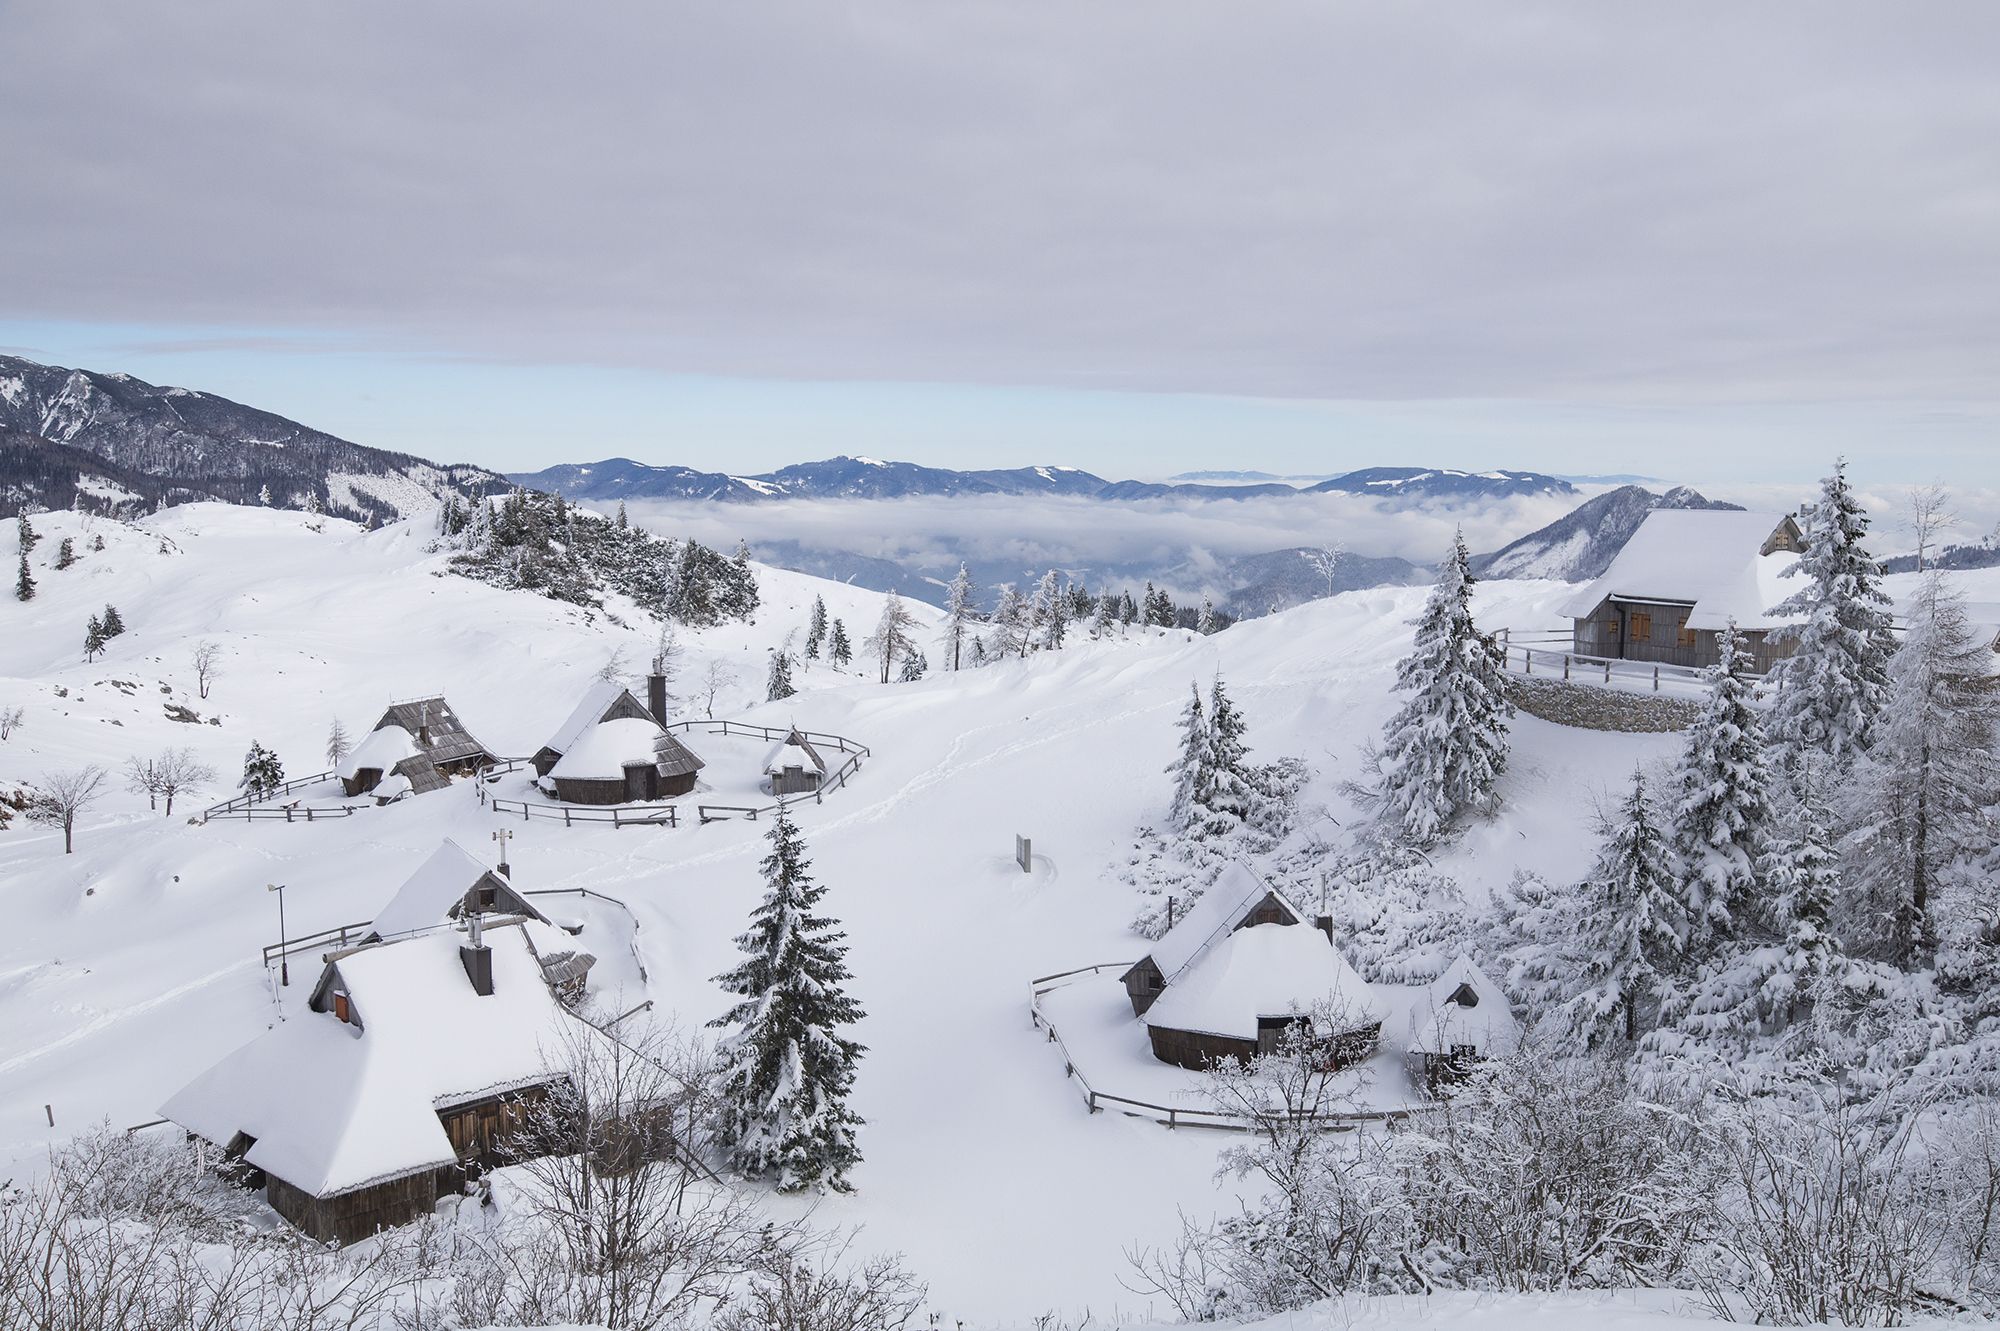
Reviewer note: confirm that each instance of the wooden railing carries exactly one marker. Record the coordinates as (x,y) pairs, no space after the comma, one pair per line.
(1174,1116)
(1553,656)
(252,806)
(341,935)
(569,815)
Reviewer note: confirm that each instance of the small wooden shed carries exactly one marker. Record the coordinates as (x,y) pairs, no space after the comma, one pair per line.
(793,766)
(422,741)
(1459,1020)
(416,1059)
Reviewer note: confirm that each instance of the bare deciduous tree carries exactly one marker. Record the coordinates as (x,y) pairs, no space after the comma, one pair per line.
(207,662)
(1931,516)
(715,677)
(63,798)
(10,721)
(1325,561)
(173,773)
(894,637)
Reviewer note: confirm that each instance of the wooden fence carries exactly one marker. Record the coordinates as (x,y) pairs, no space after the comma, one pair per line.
(1553,655)
(666,815)
(1174,1116)
(250,808)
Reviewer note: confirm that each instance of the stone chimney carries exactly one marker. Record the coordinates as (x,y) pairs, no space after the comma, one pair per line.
(423,725)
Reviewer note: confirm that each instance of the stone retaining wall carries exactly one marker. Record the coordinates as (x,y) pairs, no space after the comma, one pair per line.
(1591,708)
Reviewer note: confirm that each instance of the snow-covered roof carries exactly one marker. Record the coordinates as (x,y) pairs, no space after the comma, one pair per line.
(1228,899)
(334,1106)
(380,749)
(1440,1017)
(1266,970)
(794,750)
(603,751)
(596,702)
(433,894)
(1707,559)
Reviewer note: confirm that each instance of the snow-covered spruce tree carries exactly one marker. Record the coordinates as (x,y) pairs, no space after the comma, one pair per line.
(816,628)
(1828,691)
(1924,793)
(838,649)
(1051,611)
(114,623)
(914,666)
(1231,797)
(1107,615)
(1205,624)
(1190,768)
(1443,751)
(1722,805)
(1128,609)
(778,682)
(262,773)
(93,639)
(65,553)
(1630,924)
(24,582)
(24,531)
(785,1068)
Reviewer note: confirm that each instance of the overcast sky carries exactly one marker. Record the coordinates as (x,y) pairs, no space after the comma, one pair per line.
(1711,241)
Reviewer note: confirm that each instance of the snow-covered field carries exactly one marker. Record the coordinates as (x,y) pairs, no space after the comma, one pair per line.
(132,964)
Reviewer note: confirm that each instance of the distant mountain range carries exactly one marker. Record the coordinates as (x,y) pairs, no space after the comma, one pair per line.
(1581,543)
(121,445)
(870,478)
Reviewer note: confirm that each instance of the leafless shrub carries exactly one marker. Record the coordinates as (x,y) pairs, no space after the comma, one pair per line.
(10,721)
(815,1287)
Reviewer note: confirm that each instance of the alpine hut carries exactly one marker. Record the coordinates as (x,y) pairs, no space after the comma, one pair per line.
(794,766)
(1457,1020)
(448,886)
(1682,578)
(1241,968)
(417,746)
(415,1060)
(613,750)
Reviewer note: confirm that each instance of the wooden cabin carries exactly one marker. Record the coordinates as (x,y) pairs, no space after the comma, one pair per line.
(614,750)
(415,1059)
(1682,578)
(1241,968)
(416,747)
(1455,1023)
(793,766)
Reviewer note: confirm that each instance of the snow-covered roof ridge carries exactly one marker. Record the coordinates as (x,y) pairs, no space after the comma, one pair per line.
(1441,1017)
(1265,970)
(430,896)
(776,759)
(1710,560)
(334,1106)
(1212,915)
(605,750)
(596,701)
(380,749)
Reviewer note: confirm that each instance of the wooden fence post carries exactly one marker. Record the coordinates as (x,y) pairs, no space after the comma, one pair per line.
(1565,666)
(1656,679)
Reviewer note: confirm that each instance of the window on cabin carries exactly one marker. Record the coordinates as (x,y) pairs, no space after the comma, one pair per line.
(1156,981)
(342,1009)
(1683,634)
(1608,628)
(1464,996)
(1642,625)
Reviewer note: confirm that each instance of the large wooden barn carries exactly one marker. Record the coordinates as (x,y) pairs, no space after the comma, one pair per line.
(417,746)
(416,1059)
(613,749)
(793,766)
(1241,968)
(1685,575)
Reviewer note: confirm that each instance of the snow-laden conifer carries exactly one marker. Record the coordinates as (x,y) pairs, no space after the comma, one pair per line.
(1050,611)
(778,680)
(24,581)
(1443,751)
(816,628)
(786,1068)
(1924,793)
(838,649)
(1012,631)
(959,617)
(1630,924)
(1231,796)
(1722,804)
(1828,691)
(894,637)
(1190,766)
(1204,624)
(262,773)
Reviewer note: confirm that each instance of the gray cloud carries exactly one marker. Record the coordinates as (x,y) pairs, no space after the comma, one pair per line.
(1672,203)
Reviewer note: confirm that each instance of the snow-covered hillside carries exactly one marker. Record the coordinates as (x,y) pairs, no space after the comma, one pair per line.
(133,963)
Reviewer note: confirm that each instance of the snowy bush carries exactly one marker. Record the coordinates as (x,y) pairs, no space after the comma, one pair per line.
(1399,919)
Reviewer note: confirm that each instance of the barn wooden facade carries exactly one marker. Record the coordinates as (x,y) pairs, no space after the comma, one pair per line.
(1684,576)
